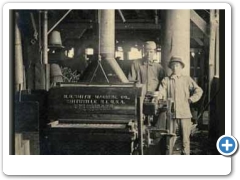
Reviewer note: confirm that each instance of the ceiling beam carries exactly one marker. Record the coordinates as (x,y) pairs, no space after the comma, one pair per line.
(199,41)
(73,30)
(195,32)
(196,19)
(137,26)
(118,26)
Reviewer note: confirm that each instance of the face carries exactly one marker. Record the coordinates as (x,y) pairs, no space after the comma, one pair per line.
(149,54)
(176,67)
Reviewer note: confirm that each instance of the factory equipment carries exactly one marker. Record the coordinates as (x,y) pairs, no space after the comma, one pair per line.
(94,119)
(152,108)
(102,119)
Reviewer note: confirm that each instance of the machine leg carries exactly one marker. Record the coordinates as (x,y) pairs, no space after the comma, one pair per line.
(140,124)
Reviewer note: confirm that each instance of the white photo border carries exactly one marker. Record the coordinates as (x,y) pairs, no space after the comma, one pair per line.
(114,165)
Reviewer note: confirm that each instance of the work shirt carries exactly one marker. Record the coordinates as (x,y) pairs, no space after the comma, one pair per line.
(150,74)
(181,89)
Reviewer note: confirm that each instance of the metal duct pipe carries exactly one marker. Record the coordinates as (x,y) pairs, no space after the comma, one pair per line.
(45,50)
(176,38)
(60,20)
(122,16)
(107,41)
(18,57)
(45,37)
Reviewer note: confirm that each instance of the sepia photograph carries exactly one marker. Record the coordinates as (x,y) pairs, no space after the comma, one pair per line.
(117,81)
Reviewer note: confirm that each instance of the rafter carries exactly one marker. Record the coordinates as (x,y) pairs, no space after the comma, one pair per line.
(200,23)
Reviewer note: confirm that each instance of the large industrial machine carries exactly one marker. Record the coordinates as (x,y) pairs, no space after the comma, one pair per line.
(96,116)
(104,119)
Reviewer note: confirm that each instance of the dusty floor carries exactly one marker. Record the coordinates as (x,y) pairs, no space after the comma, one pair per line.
(200,144)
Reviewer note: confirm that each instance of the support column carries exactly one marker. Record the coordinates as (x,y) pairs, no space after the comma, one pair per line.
(107,41)
(18,57)
(176,38)
(126,50)
(215,126)
(45,50)
(107,33)
(45,37)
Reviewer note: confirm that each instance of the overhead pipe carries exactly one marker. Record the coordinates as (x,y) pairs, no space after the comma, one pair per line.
(60,20)
(121,14)
(107,42)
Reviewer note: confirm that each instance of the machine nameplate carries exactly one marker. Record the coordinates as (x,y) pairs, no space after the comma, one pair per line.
(76,101)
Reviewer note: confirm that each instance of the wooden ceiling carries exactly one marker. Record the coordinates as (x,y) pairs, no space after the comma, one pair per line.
(140,25)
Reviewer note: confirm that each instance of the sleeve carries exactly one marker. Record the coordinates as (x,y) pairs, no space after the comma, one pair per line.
(196,91)
(132,76)
(162,74)
(163,89)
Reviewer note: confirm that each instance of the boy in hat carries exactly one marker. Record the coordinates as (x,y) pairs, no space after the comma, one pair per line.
(145,70)
(183,91)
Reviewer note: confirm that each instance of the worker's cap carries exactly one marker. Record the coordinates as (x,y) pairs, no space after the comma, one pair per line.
(150,45)
(175,59)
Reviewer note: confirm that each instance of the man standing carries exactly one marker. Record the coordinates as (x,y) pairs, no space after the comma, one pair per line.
(183,91)
(145,70)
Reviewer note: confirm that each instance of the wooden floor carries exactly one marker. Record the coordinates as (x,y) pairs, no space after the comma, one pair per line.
(200,144)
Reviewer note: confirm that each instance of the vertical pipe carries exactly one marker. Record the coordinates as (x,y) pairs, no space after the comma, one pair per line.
(217,43)
(107,41)
(126,50)
(45,50)
(40,31)
(213,120)
(18,56)
(45,38)
(107,33)
(140,124)
(212,43)
(176,38)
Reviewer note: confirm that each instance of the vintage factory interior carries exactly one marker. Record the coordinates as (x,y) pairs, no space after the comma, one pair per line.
(72,92)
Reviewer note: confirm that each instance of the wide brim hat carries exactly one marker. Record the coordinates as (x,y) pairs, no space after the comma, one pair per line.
(176,59)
